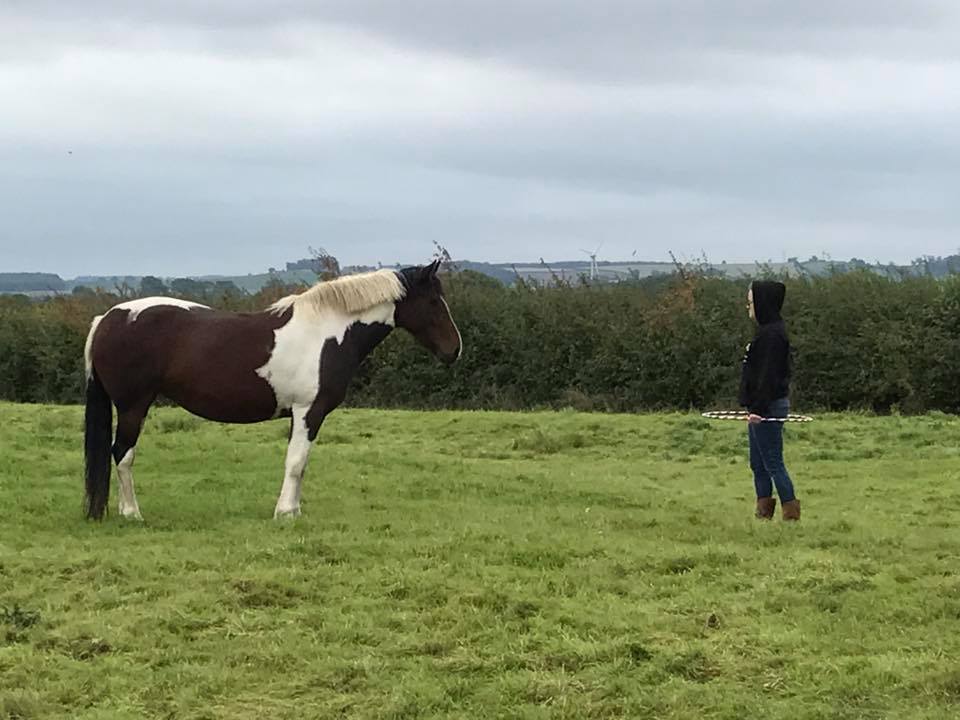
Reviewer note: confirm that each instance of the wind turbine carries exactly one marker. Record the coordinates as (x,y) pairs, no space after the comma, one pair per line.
(594,270)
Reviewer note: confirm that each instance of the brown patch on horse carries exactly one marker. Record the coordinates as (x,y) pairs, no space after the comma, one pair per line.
(204,360)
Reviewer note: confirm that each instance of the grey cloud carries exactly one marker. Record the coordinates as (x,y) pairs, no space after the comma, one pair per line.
(746,129)
(613,38)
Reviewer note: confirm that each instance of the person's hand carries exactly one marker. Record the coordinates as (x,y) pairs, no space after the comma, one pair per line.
(754,419)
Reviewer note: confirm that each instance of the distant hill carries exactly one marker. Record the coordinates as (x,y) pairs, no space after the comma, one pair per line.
(105,282)
(255,283)
(606,271)
(37,284)
(248,283)
(31,282)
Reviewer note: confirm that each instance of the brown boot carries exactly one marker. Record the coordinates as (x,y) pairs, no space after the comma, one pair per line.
(791,510)
(766,507)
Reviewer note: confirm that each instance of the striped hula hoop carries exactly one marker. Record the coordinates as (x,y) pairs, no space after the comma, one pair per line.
(743,415)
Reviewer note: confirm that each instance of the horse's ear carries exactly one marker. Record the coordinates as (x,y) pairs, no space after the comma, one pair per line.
(424,273)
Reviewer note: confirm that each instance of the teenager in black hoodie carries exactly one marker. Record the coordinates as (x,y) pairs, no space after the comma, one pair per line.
(764,391)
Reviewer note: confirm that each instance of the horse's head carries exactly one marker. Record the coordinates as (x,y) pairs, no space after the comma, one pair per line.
(424,313)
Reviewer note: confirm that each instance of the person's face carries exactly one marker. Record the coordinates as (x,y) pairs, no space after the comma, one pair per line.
(750,308)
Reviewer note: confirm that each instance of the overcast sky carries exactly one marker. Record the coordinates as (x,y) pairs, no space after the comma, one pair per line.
(227,136)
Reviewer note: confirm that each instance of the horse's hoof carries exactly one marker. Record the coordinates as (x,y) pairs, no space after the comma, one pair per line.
(133,515)
(283,515)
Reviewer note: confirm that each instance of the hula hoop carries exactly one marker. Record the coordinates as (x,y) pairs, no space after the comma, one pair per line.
(742,415)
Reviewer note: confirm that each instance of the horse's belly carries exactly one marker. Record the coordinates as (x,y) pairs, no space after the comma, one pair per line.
(222,402)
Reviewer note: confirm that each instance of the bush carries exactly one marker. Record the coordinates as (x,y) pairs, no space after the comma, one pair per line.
(861,342)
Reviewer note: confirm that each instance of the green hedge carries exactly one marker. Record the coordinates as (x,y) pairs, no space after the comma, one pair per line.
(861,342)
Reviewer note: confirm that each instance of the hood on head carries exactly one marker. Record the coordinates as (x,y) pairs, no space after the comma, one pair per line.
(768,299)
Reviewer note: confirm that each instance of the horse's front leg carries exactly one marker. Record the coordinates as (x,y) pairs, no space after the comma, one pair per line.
(298,450)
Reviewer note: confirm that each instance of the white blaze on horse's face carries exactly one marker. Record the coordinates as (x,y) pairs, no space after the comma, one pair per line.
(138,306)
(455,327)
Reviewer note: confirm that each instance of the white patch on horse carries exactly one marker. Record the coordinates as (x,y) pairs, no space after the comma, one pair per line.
(138,306)
(88,346)
(293,369)
(383,314)
(298,450)
(128,498)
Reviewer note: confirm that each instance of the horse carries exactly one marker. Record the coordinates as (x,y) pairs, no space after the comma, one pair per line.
(295,359)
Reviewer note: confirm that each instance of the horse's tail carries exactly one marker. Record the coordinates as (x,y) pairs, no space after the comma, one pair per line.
(98,426)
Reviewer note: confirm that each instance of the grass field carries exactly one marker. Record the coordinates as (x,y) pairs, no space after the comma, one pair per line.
(483,566)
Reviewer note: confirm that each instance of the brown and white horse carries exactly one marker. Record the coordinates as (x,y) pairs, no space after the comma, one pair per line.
(294,360)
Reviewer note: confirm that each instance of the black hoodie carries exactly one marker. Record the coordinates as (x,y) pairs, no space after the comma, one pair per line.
(766,366)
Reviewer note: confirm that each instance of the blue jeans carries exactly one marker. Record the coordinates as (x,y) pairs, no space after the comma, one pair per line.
(766,454)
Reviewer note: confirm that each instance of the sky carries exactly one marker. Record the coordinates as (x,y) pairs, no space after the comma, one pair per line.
(228,136)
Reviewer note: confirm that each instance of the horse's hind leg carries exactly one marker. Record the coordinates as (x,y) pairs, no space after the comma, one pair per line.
(129,425)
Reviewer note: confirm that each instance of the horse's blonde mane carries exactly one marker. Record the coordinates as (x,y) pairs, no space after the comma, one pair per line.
(351,294)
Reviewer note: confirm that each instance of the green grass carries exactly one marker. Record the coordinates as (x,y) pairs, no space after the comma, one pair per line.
(483,566)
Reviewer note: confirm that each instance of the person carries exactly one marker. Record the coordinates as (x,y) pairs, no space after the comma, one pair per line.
(764,392)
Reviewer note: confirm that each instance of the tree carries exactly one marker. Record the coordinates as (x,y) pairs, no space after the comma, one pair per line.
(446,261)
(326,266)
(188,288)
(227,286)
(151,285)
